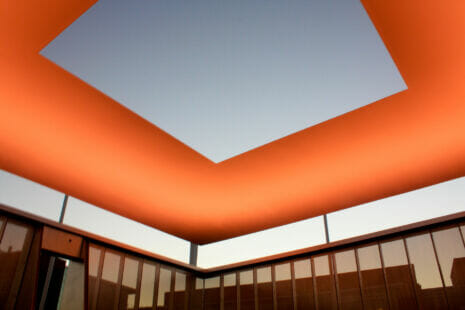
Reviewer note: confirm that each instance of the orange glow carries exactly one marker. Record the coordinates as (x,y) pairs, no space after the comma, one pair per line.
(59,131)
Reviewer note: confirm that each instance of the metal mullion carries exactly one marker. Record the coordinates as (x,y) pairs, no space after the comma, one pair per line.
(388,294)
(332,265)
(273,285)
(99,275)
(439,267)
(255,288)
(412,273)
(139,283)
(359,272)
(315,290)
(120,281)
(294,292)
(155,287)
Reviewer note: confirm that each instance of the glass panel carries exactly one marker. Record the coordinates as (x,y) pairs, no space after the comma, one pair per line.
(196,296)
(284,296)
(399,281)
(304,284)
(325,286)
(348,281)
(129,284)
(246,290)
(451,254)
(147,286)
(212,293)
(164,288)
(179,290)
(109,280)
(94,262)
(427,277)
(230,291)
(72,296)
(264,288)
(372,278)
(13,250)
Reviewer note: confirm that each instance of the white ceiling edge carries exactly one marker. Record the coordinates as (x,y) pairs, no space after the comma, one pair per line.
(98,221)
(419,205)
(395,211)
(21,193)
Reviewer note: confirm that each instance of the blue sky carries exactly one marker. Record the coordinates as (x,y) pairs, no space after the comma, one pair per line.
(225,77)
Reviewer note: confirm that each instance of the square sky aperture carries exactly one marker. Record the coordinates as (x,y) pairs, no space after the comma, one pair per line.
(225,77)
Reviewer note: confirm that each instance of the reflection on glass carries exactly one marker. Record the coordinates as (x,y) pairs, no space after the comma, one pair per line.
(372,278)
(147,286)
(348,281)
(164,288)
(427,277)
(399,281)
(246,290)
(94,261)
(304,284)
(129,283)
(16,238)
(212,293)
(451,255)
(196,295)
(284,296)
(109,280)
(264,288)
(72,290)
(179,290)
(325,286)
(230,291)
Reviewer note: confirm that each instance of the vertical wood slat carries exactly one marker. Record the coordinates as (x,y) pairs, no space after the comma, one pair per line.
(18,276)
(139,283)
(2,228)
(412,273)
(333,270)
(238,290)
(439,267)
(255,287)
(120,280)
(99,275)
(186,292)
(359,273)
(173,280)
(85,255)
(273,281)
(155,287)
(29,284)
(388,293)
(293,285)
(461,234)
(315,292)
(222,292)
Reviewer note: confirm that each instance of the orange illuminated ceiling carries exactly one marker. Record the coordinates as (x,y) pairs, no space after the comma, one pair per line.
(59,131)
